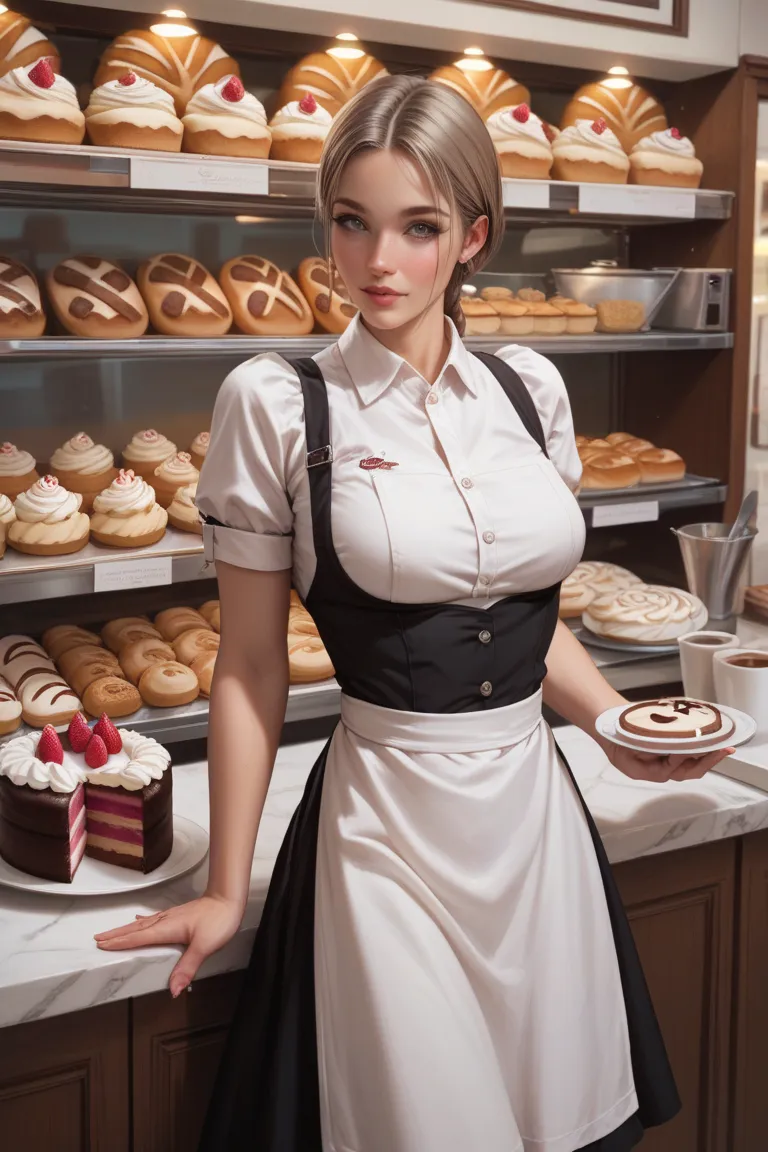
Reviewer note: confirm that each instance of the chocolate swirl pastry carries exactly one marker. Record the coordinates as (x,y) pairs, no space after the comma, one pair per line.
(329,300)
(21,310)
(264,300)
(183,297)
(674,719)
(94,297)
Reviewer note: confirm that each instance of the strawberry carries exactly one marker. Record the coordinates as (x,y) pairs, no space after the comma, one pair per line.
(599,126)
(675,133)
(308,104)
(78,732)
(42,74)
(49,748)
(521,113)
(109,734)
(128,79)
(233,90)
(96,754)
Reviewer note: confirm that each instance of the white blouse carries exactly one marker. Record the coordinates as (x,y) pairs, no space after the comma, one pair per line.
(471,510)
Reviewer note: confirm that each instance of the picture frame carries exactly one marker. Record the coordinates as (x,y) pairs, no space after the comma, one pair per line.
(668,17)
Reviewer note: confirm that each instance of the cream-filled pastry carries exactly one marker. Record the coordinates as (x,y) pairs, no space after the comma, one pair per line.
(667,158)
(522,145)
(126,514)
(182,510)
(17,470)
(7,510)
(174,473)
(147,451)
(84,467)
(222,119)
(132,112)
(198,449)
(38,105)
(645,614)
(299,130)
(48,520)
(589,151)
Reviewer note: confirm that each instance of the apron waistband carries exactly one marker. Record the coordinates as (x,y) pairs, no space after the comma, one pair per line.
(442,732)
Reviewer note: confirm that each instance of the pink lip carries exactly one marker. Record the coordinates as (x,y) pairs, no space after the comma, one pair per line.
(384,297)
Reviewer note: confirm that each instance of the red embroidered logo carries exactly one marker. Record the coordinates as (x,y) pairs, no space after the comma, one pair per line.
(371,462)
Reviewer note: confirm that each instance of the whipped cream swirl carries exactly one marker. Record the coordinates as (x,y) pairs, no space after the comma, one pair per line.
(201,443)
(17,84)
(185,496)
(506,128)
(46,502)
(142,93)
(149,445)
(178,469)
(80,454)
(7,512)
(669,142)
(19,762)
(292,120)
(14,461)
(141,761)
(208,101)
(126,494)
(582,134)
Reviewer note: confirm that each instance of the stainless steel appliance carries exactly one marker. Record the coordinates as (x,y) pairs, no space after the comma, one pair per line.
(697,301)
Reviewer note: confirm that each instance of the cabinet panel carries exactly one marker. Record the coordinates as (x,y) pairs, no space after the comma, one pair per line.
(177,1045)
(750,1099)
(680,906)
(64,1083)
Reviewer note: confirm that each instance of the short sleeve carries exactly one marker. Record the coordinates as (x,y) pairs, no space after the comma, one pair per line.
(257,433)
(548,392)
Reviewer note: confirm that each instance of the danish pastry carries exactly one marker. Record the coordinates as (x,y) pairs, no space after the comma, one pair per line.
(264,300)
(74,658)
(113,695)
(135,658)
(171,622)
(21,309)
(91,670)
(130,633)
(112,628)
(189,645)
(46,698)
(93,297)
(645,614)
(331,305)
(62,637)
(182,296)
(168,685)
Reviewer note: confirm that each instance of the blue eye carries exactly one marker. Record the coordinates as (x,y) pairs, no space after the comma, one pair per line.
(423,231)
(351,223)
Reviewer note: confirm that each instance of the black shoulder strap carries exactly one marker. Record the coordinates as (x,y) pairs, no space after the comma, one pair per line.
(518,395)
(319,449)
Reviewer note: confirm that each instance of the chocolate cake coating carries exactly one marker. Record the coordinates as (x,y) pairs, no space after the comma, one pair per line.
(34,830)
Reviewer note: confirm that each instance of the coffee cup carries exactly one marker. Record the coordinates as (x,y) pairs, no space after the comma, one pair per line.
(697,651)
(741,681)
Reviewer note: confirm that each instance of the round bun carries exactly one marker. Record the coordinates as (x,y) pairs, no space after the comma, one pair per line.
(487,91)
(203,668)
(179,66)
(332,82)
(660,464)
(112,695)
(130,633)
(61,637)
(631,113)
(308,660)
(70,662)
(609,468)
(94,669)
(167,685)
(137,657)
(189,645)
(211,611)
(21,44)
(171,622)
(112,628)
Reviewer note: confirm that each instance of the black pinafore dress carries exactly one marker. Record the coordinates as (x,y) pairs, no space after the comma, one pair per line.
(393,1001)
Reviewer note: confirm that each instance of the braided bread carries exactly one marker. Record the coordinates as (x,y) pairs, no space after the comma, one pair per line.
(631,113)
(331,81)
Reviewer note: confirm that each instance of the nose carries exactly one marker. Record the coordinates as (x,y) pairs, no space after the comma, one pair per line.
(380,260)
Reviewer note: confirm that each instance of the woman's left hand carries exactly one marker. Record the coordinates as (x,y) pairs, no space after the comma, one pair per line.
(660,769)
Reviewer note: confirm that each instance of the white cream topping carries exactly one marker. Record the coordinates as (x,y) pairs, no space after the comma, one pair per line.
(7,511)
(80,454)
(506,129)
(142,93)
(665,142)
(126,494)
(646,612)
(19,762)
(25,286)
(46,502)
(185,497)
(141,761)
(17,92)
(582,138)
(178,469)
(208,101)
(201,443)
(291,120)
(149,445)
(14,461)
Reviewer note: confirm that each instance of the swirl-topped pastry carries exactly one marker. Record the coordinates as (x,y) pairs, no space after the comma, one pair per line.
(94,297)
(182,510)
(132,112)
(174,473)
(589,151)
(522,144)
(22,45)
(84,467)
(222,119)
(38,105)
(590,579)
(675,718)
(299,130)
(126,514)
(146,451)
(48,520)
(7,510)
(667,158)
(198,449)
(183,297)
(645,614)
(21,310)
(17,470)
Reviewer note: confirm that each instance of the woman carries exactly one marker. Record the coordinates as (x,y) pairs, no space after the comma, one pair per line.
(443,964)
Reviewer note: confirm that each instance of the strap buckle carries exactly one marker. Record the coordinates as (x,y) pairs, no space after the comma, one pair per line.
(320,456)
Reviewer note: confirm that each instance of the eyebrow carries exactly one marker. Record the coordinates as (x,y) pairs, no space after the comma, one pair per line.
(419,210)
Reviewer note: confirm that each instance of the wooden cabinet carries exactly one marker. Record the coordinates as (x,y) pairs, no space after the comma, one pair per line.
(750,1072)
(64,1083)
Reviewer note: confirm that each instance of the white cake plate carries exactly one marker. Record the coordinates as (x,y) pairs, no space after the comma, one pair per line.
(744,729)
(95,878)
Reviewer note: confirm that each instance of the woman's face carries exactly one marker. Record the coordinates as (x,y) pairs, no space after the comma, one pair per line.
(394,246)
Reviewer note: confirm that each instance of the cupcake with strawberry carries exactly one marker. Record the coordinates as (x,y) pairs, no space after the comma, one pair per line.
(222,119)
(665,158)
(38,105)
(132,112)
(522,143)
(299,130)
(590,152)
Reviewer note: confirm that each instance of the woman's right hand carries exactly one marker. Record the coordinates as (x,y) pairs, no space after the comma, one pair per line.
(203,926)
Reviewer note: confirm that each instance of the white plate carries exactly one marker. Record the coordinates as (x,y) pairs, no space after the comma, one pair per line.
(744,730)
(95,878)
(592,639)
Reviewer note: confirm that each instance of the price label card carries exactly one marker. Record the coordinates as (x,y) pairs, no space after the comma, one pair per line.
(525,193)
(142,572)
(636,513)
(200,174)
(635,200)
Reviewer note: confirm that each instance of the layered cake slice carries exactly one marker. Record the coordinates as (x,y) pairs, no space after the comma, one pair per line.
(108,795)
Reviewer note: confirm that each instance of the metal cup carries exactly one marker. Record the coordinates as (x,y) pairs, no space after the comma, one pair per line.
(714,566)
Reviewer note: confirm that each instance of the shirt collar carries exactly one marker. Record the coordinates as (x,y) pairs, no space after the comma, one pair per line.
(373,368)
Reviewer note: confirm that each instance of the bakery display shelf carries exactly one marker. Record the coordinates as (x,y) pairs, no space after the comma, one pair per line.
(686,493)
(85,176)
(176,558)
(74,347)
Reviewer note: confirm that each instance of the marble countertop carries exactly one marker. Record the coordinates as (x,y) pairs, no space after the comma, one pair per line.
(49,963)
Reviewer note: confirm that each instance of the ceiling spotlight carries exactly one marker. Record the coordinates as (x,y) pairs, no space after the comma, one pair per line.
(344,50)
(618,77)
(474,52)
(473,60)
(3,9)
(171,28)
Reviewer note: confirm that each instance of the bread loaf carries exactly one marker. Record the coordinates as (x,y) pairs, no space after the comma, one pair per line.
(331,81)
(486,91)
(21,310)
(182,297)
(264,300)
(22,44)
(631,113)
(95,297)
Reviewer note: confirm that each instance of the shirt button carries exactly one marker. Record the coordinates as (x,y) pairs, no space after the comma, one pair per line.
(484,636)
(432,397)
(489,537)
(486,687)
(485,579)
(466,482)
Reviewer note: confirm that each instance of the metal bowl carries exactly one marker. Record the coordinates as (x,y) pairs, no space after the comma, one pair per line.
(589,285)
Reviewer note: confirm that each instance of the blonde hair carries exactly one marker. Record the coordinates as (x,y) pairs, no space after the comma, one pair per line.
(441,132)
